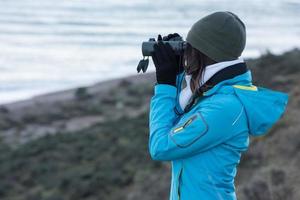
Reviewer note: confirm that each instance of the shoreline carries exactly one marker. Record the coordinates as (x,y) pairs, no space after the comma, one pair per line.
(68,94)
(62,92)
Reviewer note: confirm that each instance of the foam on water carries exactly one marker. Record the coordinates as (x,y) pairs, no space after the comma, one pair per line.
(59,44)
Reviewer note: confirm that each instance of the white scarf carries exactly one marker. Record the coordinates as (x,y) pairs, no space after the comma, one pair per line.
(209,71)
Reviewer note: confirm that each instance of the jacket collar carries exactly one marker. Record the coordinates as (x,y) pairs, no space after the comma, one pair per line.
(211,70)
(242,79)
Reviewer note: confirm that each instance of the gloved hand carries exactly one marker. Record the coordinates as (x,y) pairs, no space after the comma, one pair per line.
(167,64)
(172,37)
(176,37)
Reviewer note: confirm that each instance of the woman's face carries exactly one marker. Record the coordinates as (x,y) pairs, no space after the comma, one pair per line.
(194,60)
(194,63)
(191,60)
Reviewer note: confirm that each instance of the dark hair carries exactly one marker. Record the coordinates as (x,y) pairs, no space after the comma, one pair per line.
(194,63)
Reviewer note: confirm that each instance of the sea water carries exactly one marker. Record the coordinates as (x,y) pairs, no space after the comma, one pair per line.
(58,44)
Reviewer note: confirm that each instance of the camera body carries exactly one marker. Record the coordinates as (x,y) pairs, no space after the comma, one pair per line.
(178,46)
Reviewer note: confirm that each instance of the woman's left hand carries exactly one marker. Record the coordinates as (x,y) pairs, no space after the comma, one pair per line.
(166,62)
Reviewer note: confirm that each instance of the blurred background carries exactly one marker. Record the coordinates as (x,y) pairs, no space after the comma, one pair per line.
(54,45)
(74,112)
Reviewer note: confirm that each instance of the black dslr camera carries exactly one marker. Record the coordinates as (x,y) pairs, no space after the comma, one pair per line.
(148,47)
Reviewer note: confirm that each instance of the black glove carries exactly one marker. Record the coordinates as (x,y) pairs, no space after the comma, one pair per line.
(167,64)
(172,37)
(176,37)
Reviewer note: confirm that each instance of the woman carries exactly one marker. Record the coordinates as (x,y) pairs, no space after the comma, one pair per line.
(204,128)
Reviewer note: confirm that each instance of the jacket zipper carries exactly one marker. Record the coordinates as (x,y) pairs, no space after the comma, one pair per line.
(178,183)
(185,124)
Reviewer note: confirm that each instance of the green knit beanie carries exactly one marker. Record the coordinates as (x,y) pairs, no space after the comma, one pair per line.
(221,36)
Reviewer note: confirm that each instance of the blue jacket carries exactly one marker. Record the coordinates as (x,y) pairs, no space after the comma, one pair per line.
(205,144)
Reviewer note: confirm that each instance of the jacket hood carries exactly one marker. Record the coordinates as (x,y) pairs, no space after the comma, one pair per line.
(263,107)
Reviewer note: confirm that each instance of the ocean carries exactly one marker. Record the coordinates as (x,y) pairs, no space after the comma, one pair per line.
(54,45)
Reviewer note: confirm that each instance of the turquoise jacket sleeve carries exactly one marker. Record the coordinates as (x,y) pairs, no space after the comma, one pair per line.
(213,123)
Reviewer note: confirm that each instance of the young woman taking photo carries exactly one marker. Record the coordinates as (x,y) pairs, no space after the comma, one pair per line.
(204,128)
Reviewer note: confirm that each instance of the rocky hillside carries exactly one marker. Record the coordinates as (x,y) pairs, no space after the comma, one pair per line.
(91,142)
